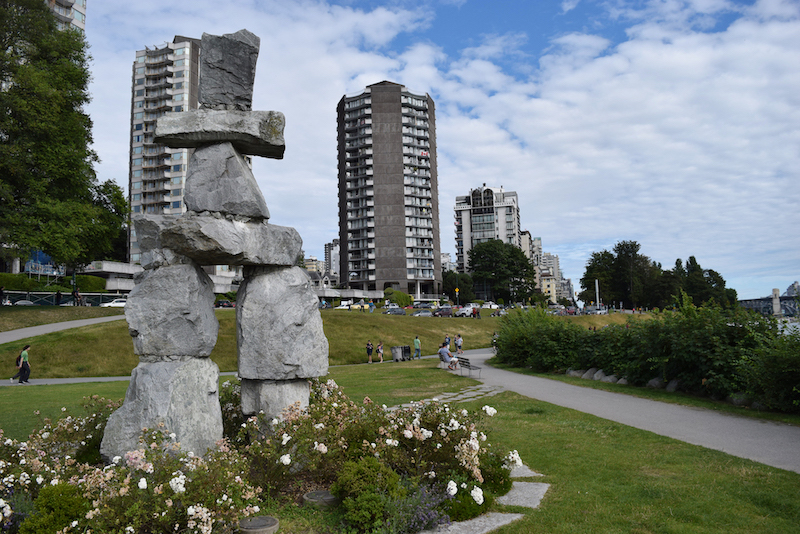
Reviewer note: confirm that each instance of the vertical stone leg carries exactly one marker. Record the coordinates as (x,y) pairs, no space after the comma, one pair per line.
(171,318)
(182,395)
(280,338)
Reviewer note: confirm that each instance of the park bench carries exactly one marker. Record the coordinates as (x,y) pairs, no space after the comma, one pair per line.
(465,364)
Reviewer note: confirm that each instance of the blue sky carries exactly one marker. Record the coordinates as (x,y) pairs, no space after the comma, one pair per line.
(674,123)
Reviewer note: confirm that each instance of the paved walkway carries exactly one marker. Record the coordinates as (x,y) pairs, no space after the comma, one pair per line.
(770,443)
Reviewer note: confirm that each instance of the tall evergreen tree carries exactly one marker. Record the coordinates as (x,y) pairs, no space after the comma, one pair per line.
(49,196)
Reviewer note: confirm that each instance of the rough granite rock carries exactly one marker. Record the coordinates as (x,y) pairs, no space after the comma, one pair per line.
(219,179)
(588,375)
(610,379)
(227,70)
(148,228)
(170,313)
(656,383)
(183,395)
(255,133)
(599,375)
(212,239)
(278,325)
(672,387)
(273,397)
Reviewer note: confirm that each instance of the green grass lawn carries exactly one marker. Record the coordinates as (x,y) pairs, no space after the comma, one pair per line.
(603,476)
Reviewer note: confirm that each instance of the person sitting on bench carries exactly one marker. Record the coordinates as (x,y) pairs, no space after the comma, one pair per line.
(448,358)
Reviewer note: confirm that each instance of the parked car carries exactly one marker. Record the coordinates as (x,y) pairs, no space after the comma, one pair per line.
(395,311)
(224,304)
(465,311)
(24,303)
(116,303)
(443,311)
(489,305)
(422,313)
(499,313)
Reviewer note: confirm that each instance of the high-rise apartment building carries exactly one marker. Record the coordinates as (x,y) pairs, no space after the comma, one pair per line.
(70,13)
(332,257)
(165,80)
(484,214)
(388,191)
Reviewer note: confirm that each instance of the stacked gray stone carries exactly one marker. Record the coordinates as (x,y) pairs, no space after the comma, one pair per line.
(170,312)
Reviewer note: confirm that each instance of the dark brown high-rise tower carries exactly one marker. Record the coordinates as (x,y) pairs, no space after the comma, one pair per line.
(388,191)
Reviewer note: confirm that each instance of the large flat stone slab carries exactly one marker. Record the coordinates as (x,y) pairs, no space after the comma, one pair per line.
(227,70)
(528,494)
(279,328)
(479,525)
(183,395)
(212,239)
(255,133)
(170,313)
(219,179)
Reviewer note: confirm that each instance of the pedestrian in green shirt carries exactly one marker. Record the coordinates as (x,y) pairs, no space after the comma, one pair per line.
(417,348)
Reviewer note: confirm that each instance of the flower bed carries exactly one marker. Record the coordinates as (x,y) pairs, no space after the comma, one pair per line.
(398,471)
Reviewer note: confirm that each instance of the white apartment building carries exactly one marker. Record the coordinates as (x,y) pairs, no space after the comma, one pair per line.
(484,214)
(164,81)
(70,13)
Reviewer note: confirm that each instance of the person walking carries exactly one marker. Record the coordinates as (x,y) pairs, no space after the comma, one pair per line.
(24,366)
(369,350)
(417,348)
(379,350)
(447,341)
(459,342)
(58,298)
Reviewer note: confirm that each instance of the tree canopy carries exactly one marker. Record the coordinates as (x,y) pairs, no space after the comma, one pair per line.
(501,271)
(50,199)
(628,277)
(463,281)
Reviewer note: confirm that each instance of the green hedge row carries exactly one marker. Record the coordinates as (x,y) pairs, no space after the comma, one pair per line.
(21,282)
(710,351)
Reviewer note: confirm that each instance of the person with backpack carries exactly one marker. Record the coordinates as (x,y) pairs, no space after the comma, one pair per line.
(23,365)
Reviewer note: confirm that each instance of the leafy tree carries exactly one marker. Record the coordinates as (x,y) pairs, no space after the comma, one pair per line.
(463,281)
(502,270)
(49,196)
(600,267)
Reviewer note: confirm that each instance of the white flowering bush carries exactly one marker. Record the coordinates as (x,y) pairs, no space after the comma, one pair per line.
(441,456)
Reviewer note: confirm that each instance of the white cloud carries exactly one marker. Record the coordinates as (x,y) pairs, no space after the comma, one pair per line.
(680,138)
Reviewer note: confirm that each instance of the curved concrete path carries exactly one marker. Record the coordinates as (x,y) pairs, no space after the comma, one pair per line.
(767,442)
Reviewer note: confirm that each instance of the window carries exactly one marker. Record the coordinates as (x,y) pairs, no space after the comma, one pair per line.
(139,70)
(177,192)
(139,81)
(177,168)
(138,115)
(177,108)
(180,62)
(176,204)
(178,74)
(135,257)
(138,104)
(140,59)
(136,196)
(178,85)
(179,51)
(177,155)
(137,127)
(137,209)
(137,174)
(137,150)
(138,138)
(136,161)
(178,97)
(140,92)
(136,185)
(177,180)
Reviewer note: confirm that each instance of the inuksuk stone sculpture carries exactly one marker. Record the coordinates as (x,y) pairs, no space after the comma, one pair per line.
(170,312)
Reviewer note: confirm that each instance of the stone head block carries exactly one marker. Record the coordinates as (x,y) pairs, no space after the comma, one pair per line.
(279,328)
(182,395)
(273,396)
(170,313)
(228,70)
(253,133)
(212,239)
(219,179)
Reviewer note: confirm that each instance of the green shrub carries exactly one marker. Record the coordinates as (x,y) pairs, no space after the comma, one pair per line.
(366,488)
(55,508)
(90,284)
(772,374)
(496,477)
(468,501)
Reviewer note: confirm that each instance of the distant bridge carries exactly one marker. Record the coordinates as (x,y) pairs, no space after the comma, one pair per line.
(764,305)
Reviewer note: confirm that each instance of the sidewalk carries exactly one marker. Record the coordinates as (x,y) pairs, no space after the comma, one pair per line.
(767,442)
(23,333)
